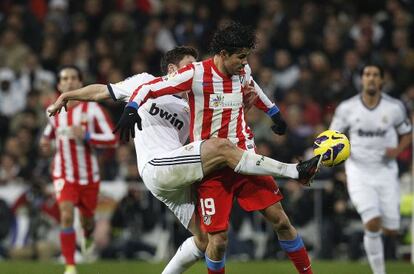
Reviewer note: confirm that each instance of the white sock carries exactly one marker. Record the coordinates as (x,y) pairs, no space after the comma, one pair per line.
(375,251)
(254,164)
(186,255)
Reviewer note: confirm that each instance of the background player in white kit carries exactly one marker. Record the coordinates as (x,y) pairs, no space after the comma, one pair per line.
(165,128)
(374,121)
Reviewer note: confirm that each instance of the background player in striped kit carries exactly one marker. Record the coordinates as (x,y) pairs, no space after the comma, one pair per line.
(215,98)
(75,170)
(157,133)
(374,122)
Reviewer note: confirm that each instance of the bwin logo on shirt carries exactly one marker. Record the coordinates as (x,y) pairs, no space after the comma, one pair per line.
(154,110)
(371,133)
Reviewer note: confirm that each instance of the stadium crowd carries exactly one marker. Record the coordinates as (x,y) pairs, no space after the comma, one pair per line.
(308,59)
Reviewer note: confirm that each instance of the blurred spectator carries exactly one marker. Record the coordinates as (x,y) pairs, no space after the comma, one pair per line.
(132,217)
(13,93)
(13,52)
(9,169)
(6,217)
(37,78)
(36,231)
(286,72)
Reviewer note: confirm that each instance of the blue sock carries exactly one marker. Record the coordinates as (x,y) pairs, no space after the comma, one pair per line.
(292,245)
(67,230)
(215,265)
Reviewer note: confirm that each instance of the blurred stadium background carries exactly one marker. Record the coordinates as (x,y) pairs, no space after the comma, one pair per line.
(307,59)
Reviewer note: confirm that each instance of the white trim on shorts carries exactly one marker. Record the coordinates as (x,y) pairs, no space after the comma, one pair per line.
(170,176)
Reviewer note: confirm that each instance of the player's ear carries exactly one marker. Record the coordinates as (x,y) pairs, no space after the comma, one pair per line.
(224,53)
(172,68)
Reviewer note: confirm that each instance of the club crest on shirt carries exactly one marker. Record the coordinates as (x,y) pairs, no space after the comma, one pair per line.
(216,100)
(385,120)
(228,100)
(207,219)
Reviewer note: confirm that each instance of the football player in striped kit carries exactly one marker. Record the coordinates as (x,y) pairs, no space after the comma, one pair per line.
(167,167)
(379,130)
(214,88)
(75,172)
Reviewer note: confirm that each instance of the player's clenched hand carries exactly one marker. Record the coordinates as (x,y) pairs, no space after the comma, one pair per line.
(126,124)
(55,108)
(280,125)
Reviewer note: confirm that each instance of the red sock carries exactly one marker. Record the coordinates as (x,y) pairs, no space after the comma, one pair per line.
(221,271)
(68,245)
(301,261)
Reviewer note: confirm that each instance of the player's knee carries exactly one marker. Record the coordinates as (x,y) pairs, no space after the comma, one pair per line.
(223,146)
(201,242)
(373,224)
(66,219)
(219,241)
(281,224)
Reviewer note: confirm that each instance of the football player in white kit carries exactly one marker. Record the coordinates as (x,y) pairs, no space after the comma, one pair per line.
(374,122)
(167,166)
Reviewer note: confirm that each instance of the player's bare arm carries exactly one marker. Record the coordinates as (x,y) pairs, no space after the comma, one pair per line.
(94,92)
(405,141)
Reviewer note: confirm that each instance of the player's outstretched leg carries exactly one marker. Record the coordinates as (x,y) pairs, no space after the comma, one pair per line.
(374,249)
(187,254)
(218,152)
(67,236)
(215,253)
(289,239)
(308,169)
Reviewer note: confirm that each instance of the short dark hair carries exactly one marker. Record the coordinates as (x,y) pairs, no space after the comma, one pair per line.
(232,38)
(69,67)
(380,68)
(175,55)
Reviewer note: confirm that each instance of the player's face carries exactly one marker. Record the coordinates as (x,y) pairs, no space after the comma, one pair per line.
(234,63)
(371,80)
(188,59)
(69,80)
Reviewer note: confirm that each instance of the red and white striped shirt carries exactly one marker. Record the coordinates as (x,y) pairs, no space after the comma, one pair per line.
(215,100)
(75,160)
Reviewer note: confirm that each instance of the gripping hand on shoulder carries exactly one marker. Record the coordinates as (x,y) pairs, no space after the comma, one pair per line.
(126,124)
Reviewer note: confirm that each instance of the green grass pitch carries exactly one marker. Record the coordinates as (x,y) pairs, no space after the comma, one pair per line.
(256,267)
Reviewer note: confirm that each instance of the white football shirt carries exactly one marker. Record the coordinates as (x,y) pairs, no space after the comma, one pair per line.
(165,120)
(371,131)
(121,91)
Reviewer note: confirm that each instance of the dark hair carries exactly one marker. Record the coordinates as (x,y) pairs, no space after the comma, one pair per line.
(69,67)
(380,68)
(232,38)
(175,55)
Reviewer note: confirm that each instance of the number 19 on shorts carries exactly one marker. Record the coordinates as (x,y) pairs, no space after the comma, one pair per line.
(207,206)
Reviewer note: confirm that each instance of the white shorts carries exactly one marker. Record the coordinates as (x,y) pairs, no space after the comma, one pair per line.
(170,176)
(375,193)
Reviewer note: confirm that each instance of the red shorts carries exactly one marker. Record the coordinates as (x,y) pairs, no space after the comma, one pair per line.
(217,191)
(85,197)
